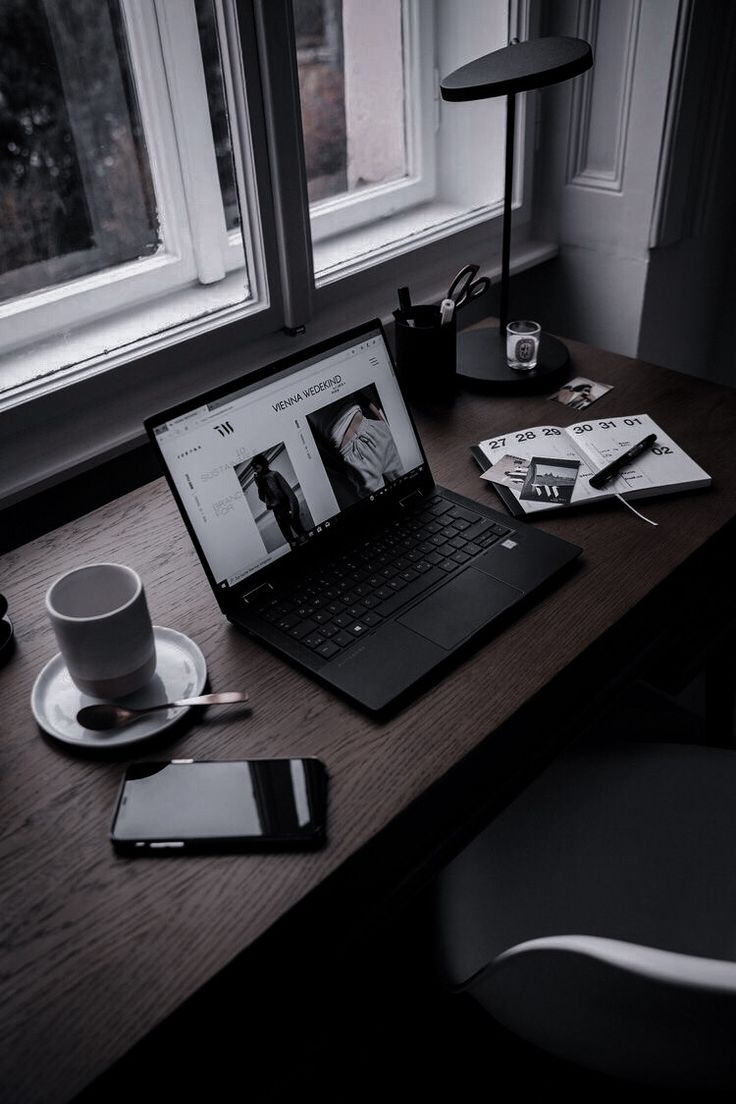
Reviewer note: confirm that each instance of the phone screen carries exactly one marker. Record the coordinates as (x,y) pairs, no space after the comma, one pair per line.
(244,804)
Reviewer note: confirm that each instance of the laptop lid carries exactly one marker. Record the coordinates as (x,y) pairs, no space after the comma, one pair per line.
(275,462)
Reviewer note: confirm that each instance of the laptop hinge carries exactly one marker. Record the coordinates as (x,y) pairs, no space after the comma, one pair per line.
(411,499)
(261,590)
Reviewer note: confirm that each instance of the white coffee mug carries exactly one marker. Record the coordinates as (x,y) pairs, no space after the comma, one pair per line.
(103,628)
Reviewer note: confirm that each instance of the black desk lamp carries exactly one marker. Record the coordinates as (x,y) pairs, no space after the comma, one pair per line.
(520,67)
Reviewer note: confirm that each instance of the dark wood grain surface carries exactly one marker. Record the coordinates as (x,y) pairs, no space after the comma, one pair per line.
(96,950)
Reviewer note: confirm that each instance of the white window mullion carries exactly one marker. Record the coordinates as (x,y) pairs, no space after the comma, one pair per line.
(145,53)
(235,249)
(368,204)
(419,66)
(188,91)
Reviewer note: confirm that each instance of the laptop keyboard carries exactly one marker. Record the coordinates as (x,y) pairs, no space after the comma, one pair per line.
(330,608)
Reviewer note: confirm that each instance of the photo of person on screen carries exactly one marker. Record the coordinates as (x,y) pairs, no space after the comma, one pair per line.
(356,445)
(276,495)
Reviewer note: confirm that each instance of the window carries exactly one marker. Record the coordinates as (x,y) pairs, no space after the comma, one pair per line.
(181,180)
(365,78)
(68,210)
(389,165)
(120,176)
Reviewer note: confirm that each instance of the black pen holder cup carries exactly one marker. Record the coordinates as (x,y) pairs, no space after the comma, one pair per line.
(426,353)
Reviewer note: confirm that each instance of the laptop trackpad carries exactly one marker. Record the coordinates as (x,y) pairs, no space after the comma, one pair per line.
(457,610)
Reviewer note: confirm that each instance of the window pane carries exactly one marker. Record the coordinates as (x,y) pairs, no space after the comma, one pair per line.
(207,24)
(75,190)
(351,79)
(121,182)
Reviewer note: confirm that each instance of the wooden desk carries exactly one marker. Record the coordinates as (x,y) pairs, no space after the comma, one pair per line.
(97,950)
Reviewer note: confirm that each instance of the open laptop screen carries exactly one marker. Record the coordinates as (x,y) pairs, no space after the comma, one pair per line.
(264,467)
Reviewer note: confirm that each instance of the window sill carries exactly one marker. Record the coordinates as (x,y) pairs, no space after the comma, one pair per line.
(353,251)
(71,356)
(46,440)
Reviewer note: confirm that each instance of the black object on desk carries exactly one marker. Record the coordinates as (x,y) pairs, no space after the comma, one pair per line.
(465,287)
(520,67)
(606,474)
(426,351)
(187,805)
(408,620)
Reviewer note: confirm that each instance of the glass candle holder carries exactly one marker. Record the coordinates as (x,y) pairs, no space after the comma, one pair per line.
(522,345)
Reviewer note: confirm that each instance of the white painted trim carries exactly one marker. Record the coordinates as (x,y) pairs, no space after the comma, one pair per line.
(360,246)
(346,212)
(97,439)
(108,343)
(369,246)
(56,310)
(144,47)
(579,173)
(244,154)
(182,58)
(235,254)
(667,226)
(48,335)
(163,368)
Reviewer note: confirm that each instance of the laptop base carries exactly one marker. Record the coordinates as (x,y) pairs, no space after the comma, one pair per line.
(380,672)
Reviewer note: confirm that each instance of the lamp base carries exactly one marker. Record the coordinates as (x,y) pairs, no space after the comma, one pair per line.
(481,363)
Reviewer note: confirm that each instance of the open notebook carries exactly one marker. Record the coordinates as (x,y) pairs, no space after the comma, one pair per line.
(547,467)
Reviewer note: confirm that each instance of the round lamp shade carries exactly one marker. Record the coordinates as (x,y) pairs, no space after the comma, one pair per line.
(518,68)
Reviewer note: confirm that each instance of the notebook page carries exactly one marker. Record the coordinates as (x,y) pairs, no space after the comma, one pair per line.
(549,442)
(665,466)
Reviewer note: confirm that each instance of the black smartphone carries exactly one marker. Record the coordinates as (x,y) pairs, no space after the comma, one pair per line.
(227,805)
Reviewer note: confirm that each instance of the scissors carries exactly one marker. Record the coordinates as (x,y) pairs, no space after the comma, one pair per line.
(465,287)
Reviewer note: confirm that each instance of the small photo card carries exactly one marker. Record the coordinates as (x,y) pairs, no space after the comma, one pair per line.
(509,470)
(550,479)
(580,392)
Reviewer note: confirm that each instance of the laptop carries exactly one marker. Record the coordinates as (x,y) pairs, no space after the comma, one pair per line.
(308,496)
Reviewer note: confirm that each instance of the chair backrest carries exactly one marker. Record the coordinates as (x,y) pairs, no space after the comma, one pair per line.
(619,1008)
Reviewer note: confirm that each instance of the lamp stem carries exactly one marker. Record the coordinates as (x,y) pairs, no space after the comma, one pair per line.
(507,196)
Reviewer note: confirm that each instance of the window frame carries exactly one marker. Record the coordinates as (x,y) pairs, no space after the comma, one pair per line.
(216,250)
(107,399)
(195,244)
(351,210)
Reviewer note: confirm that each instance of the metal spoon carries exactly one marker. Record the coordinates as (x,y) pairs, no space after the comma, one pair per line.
(106,715)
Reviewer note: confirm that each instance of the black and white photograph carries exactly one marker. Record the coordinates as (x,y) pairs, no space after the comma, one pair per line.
(511,471)
(356,445)
(579,392)
(275,498)
(258,261)
(550,480)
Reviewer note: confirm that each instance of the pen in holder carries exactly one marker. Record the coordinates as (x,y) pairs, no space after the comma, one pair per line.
(426,350)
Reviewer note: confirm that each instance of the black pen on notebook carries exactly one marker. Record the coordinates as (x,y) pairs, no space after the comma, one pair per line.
(605,474)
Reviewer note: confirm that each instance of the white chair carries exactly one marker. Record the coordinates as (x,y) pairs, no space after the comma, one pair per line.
(596,916)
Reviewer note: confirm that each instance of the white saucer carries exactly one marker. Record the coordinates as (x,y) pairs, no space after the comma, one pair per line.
(181,672)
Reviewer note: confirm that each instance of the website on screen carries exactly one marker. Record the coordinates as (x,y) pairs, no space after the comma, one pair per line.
(263,469)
